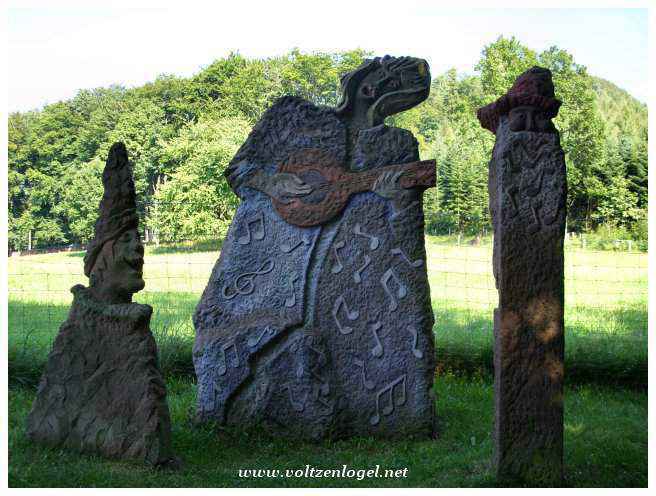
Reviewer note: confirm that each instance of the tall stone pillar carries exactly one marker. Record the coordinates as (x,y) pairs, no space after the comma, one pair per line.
(527,190)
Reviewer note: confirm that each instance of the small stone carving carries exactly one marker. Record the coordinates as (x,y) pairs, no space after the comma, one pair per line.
(102,391)
(528,189)
(341,198)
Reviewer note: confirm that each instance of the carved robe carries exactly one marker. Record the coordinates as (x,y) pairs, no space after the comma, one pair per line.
(285,328)
(102,391)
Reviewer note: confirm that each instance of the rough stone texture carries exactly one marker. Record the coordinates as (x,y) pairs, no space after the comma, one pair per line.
(102,391)
(527,189)
(322,331)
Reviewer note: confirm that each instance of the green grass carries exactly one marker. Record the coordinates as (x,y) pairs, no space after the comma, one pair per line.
(606,341)
(605,446)
(605,314)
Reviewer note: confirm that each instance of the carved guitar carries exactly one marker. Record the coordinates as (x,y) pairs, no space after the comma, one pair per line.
(332,185)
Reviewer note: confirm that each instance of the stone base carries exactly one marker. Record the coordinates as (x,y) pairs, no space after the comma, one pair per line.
(102,391)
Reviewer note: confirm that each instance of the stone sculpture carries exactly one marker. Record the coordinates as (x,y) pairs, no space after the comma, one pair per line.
(317,321)
(527,190)
(102,391)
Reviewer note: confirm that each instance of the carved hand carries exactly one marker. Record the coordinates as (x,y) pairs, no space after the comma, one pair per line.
(284,187)
(387,185)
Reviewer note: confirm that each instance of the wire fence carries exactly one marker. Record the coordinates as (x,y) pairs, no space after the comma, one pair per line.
(605,303)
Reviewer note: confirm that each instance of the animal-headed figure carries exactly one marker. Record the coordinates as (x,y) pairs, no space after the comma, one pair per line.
(378,88)
(276,339)
(382,87)
(102,391)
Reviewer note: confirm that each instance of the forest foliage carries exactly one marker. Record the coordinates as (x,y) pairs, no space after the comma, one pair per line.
(182,132)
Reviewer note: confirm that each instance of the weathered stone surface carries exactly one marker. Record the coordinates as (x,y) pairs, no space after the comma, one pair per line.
(102,391)
(323,331)
(527,189)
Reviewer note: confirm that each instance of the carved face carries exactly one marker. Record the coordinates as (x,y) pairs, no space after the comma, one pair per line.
(529,119)
(118,272)
(398,84)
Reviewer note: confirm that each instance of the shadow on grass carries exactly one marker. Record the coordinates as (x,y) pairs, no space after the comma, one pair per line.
(605,446)
(463,339)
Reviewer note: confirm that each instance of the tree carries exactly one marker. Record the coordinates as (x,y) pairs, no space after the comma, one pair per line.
(582,133)
(80,199)
(500,64)
(180,133)
(195,200)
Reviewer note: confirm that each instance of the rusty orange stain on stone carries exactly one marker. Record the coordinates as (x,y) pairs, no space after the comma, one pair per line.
(554,367)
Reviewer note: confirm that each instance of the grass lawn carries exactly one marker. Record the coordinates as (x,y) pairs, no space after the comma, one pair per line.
(605,314)
(605,446)
(606,341)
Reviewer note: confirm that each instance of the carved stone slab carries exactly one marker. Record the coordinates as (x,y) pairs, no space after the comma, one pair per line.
(323,331)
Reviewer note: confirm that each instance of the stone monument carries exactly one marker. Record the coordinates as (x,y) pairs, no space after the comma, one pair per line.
(528,190)
(102,391)
(317,321)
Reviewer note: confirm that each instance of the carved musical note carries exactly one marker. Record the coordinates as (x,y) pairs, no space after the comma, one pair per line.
(258,232)
(244,284)
(398,251)
(351,315)
(366,383)
(337,268)
(535,225)
(299,406)
(253,341)
(357,276)
(287,248)
(388,409)
(223,361)
(415,351)
(511,194)
(290,301)
(373,240)
(401,292)
(330,406)
(377,350)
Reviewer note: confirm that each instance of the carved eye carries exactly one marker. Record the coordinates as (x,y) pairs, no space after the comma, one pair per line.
(368,90)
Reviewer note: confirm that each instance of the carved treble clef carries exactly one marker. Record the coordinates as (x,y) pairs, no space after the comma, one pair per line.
(245,283)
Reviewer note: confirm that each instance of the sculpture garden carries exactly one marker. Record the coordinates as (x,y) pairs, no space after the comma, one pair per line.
(327,330)
(601,346)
